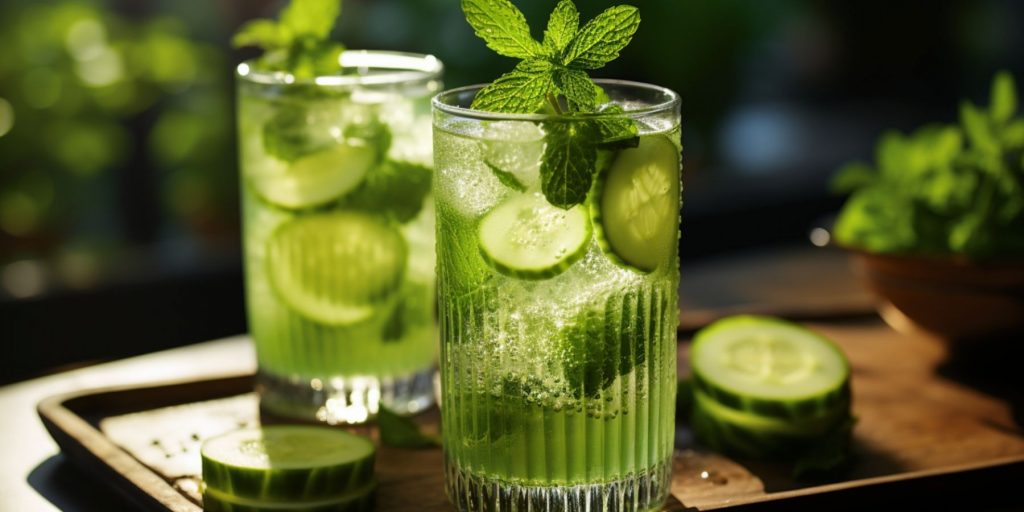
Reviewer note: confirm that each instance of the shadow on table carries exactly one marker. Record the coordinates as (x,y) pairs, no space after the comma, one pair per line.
(993,367)
(70,489)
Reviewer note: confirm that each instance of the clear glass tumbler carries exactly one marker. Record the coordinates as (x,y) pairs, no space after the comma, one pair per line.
(558,325)
(338,223)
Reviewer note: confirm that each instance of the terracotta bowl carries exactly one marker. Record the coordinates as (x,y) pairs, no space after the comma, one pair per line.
(952,299)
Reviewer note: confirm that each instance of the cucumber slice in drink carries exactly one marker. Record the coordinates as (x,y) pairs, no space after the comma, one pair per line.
(770,367)
(528,238)
(315,179)
(214,501)
(336,268)
(286,464)
(635,205)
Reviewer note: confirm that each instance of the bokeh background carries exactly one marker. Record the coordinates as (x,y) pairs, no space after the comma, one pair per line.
(119,225)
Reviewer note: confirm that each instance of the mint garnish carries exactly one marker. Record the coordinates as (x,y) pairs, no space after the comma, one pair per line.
(943,189)
(297,43)
(402,432)
(393,189)
(506,178)
(552,77)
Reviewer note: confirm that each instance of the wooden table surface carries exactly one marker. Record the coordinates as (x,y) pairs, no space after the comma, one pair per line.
(35,476)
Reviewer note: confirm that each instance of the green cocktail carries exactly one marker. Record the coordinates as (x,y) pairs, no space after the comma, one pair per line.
(558,323)
(339,235)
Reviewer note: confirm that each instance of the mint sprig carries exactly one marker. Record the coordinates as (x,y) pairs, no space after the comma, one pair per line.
(552,77)
(297,43)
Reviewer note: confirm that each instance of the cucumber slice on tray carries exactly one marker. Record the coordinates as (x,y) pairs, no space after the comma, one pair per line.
(635,205)
(336,268)
(314,179)
(770,367)
(528,238)
(284,466)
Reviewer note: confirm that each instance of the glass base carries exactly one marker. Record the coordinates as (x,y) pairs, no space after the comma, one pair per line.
(343,400)
(475,493)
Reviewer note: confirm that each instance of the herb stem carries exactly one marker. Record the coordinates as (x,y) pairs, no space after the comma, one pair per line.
(553,101)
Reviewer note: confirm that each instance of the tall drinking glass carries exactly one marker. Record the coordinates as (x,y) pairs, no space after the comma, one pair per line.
(558,326)
(338,223)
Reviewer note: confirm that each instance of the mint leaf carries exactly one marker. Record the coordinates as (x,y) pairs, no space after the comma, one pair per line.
(402,432)
(618,132)
(502,26)
(394,189)
(506,178)
(1003,100)
(978,128)
(311,18)
(602,38)
(523,90)
(569,161)
(264,33)
(852,176)
(371,132)
(577,88)
(562,26)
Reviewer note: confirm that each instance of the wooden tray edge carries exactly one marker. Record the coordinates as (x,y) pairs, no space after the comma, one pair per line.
(97,455)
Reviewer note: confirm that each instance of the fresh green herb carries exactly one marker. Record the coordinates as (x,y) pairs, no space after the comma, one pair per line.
(552,77)
(394,189)
(297,43)
(402,432)
(506,178)
(955,189)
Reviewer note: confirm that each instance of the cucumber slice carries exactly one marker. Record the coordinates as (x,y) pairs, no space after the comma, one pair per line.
(635,205)
(214,501)
(288,463)
(770,367)
(336,268)
(737,432)
(528,238)
(314,179)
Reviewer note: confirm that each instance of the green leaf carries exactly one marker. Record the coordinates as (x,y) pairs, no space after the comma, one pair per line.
(506,178)
(1013,135)
(577,88)
(312,18)
(853,176)
(394,189)
(1003,99)
(264,33)
(285,136)
(308,57)
(570,157)
(523,90)
(602,38)
(979,130)
(402,432)
(502,26)
(562,26)
(616,131)
(371,132)
(877,219)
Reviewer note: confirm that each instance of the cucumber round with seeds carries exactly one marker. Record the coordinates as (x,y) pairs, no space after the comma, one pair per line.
(287,464)
(314,179)
(336,268)
(528,238)
(635,205)
(770,367)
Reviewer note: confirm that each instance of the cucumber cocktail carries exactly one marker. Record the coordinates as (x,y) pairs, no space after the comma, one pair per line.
(339,235)
(558,312)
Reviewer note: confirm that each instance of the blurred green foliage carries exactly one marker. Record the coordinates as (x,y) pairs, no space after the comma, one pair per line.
(944,189)
(87,95)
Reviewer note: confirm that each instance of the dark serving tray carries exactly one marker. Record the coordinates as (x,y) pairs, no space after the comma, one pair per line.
(912,426)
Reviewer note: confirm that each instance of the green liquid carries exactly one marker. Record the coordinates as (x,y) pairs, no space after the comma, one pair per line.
(557,382)
(397,337)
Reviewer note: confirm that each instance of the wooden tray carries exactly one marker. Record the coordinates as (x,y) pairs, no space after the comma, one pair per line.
(912,425)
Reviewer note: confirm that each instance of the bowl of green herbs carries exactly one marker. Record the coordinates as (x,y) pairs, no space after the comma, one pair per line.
(936,225)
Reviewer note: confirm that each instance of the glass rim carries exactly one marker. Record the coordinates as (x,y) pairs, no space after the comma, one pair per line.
(668,105)
(400,67)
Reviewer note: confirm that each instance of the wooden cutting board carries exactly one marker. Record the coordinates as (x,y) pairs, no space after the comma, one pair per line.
(912,424)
